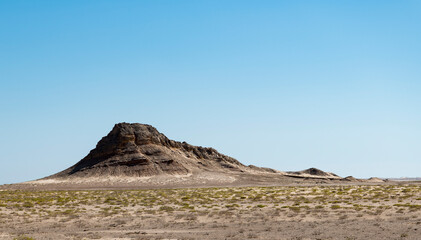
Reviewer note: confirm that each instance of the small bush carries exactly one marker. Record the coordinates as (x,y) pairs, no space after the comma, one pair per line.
(22,237)
(166,208)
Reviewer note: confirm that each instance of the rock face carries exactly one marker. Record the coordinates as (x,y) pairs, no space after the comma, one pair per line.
(140,150)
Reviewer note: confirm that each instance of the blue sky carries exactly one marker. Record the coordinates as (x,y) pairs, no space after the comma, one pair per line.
(283,84)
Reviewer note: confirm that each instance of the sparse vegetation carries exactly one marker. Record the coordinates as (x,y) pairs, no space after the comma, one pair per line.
(175,207)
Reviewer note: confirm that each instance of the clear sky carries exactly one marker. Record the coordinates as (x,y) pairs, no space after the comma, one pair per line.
(283,84)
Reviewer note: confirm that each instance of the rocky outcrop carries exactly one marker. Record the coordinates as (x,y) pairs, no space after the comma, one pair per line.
(140,150)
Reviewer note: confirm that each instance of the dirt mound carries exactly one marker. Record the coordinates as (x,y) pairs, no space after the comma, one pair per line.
(350,179)
(375,180)
(313,173)
(316,172)
(140,150)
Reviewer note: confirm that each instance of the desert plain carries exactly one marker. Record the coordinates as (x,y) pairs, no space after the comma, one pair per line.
(314,211)
(138,184)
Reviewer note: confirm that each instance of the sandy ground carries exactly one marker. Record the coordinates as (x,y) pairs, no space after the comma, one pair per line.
(195,180)
(387,211)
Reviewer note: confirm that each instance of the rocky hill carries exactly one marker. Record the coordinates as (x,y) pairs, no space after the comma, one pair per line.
(136,155)
(133,149)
